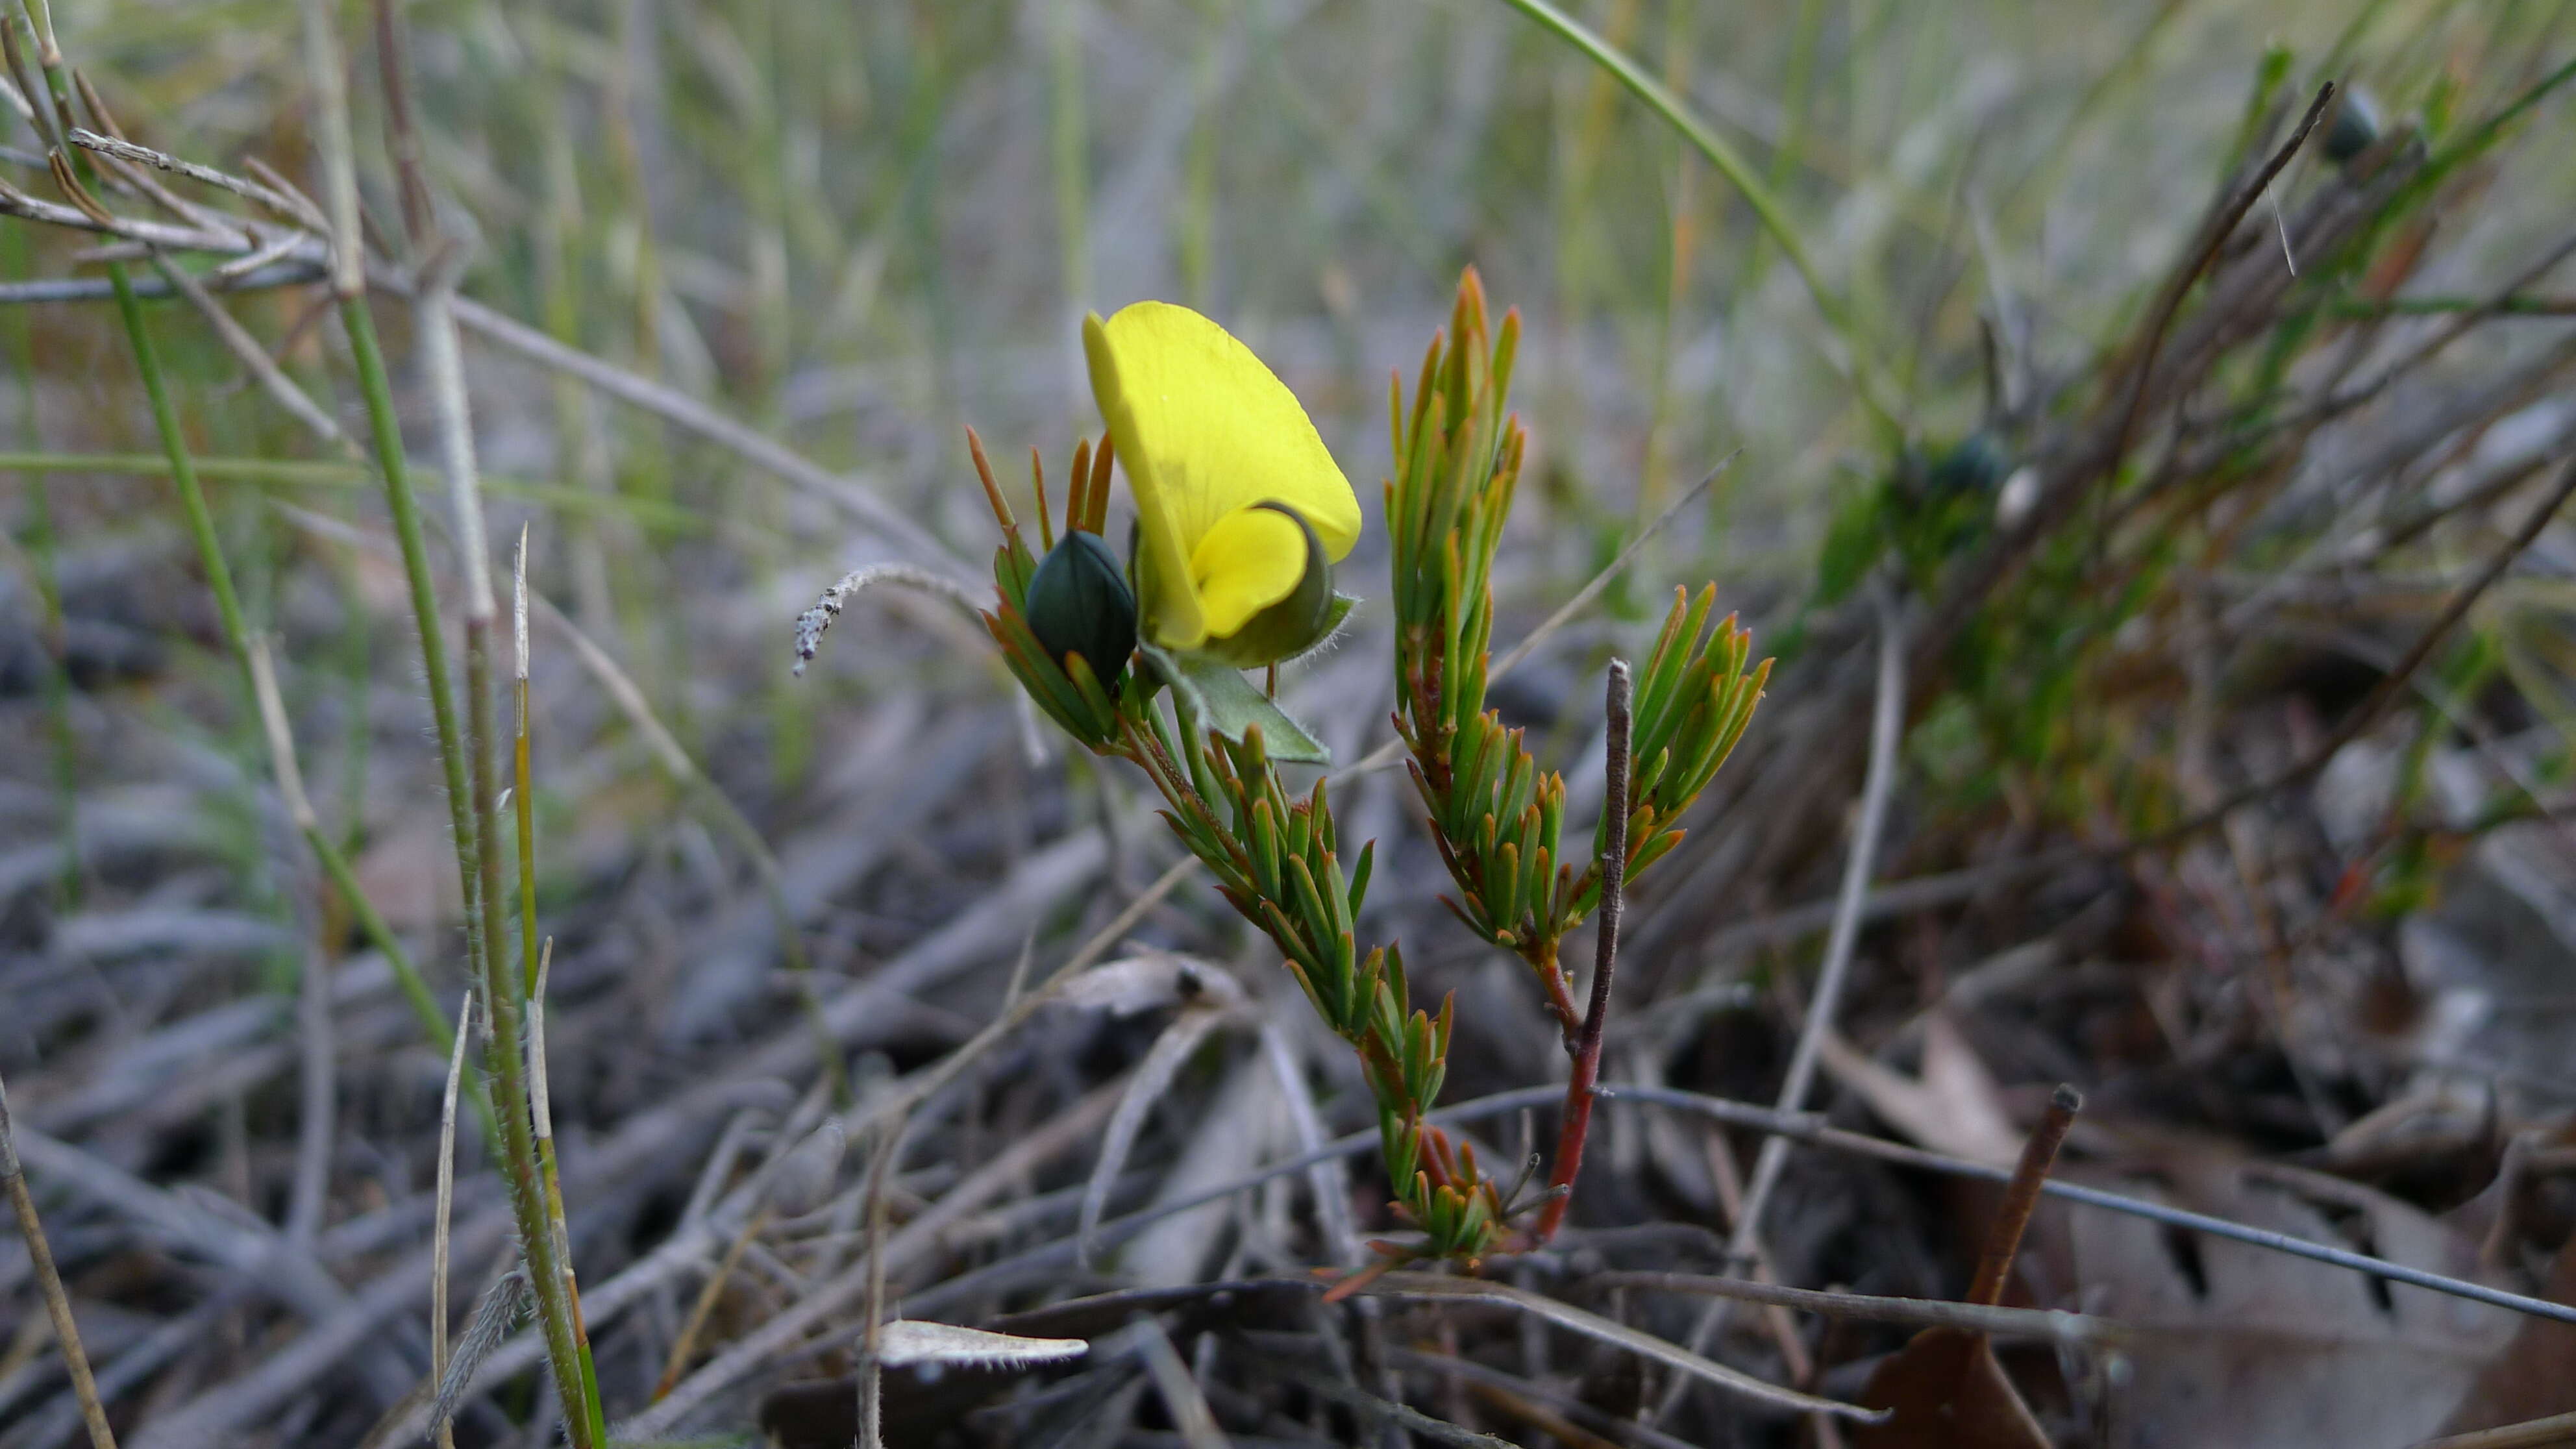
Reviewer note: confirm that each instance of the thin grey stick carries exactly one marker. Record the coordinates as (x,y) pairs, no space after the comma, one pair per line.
(286,208)
(1886,728)
(246,348)
(1389,1412)
(1806,1127)
(2041,1323)
(99,289)
(1591,1325)
(14,202)
(317,1052)
(1584,596)
(684,411)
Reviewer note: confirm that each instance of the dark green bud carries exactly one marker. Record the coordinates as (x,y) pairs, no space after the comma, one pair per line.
(1296,623)
(2355,127)
(1974,465)
(1079,603)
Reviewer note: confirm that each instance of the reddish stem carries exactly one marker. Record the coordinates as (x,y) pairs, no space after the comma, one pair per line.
(2021,1195)
(1560,997)
(1584,1086)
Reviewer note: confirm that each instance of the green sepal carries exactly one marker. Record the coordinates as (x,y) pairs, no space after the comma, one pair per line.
(1221,699)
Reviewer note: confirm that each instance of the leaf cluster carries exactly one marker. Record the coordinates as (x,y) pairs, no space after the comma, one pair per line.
(1496,817)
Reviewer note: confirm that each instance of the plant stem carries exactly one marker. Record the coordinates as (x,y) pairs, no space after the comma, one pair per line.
(1583,1086)
(377,389)
(470,813)
(2022,1195)
(471,806)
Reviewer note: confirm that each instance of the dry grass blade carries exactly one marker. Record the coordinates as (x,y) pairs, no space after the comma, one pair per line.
(1171,1051)
(1181,1397)
(1330,1184)
(58,1306)
(1478,1375)
(1393,1417)
(1591,1325)
(439,1238)
(2556,1429)
(687,412)
(237,339)
(1887,728)
(1609,573)
(2223,227)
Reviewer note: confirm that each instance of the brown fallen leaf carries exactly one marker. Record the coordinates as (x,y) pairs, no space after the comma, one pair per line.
(1947,1392)
(2530,1379)
(2245,1348)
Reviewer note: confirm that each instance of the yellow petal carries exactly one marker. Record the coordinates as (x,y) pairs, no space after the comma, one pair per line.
(1203,430)
(1249,561)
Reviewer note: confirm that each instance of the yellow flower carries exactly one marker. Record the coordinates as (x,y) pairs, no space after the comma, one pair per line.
(1240,508)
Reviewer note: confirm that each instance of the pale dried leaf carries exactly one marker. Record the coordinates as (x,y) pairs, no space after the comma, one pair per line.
(1153,1078)
(909,1343)
(1954,1107)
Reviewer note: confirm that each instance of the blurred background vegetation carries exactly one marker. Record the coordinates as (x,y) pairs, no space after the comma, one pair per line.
(855,229)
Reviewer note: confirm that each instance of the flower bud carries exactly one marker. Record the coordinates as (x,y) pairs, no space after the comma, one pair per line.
(1079,603)
(2355,127)
(1296,623)
(1975,464)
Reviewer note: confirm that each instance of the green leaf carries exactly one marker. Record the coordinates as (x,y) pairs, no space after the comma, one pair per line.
(1221,699)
